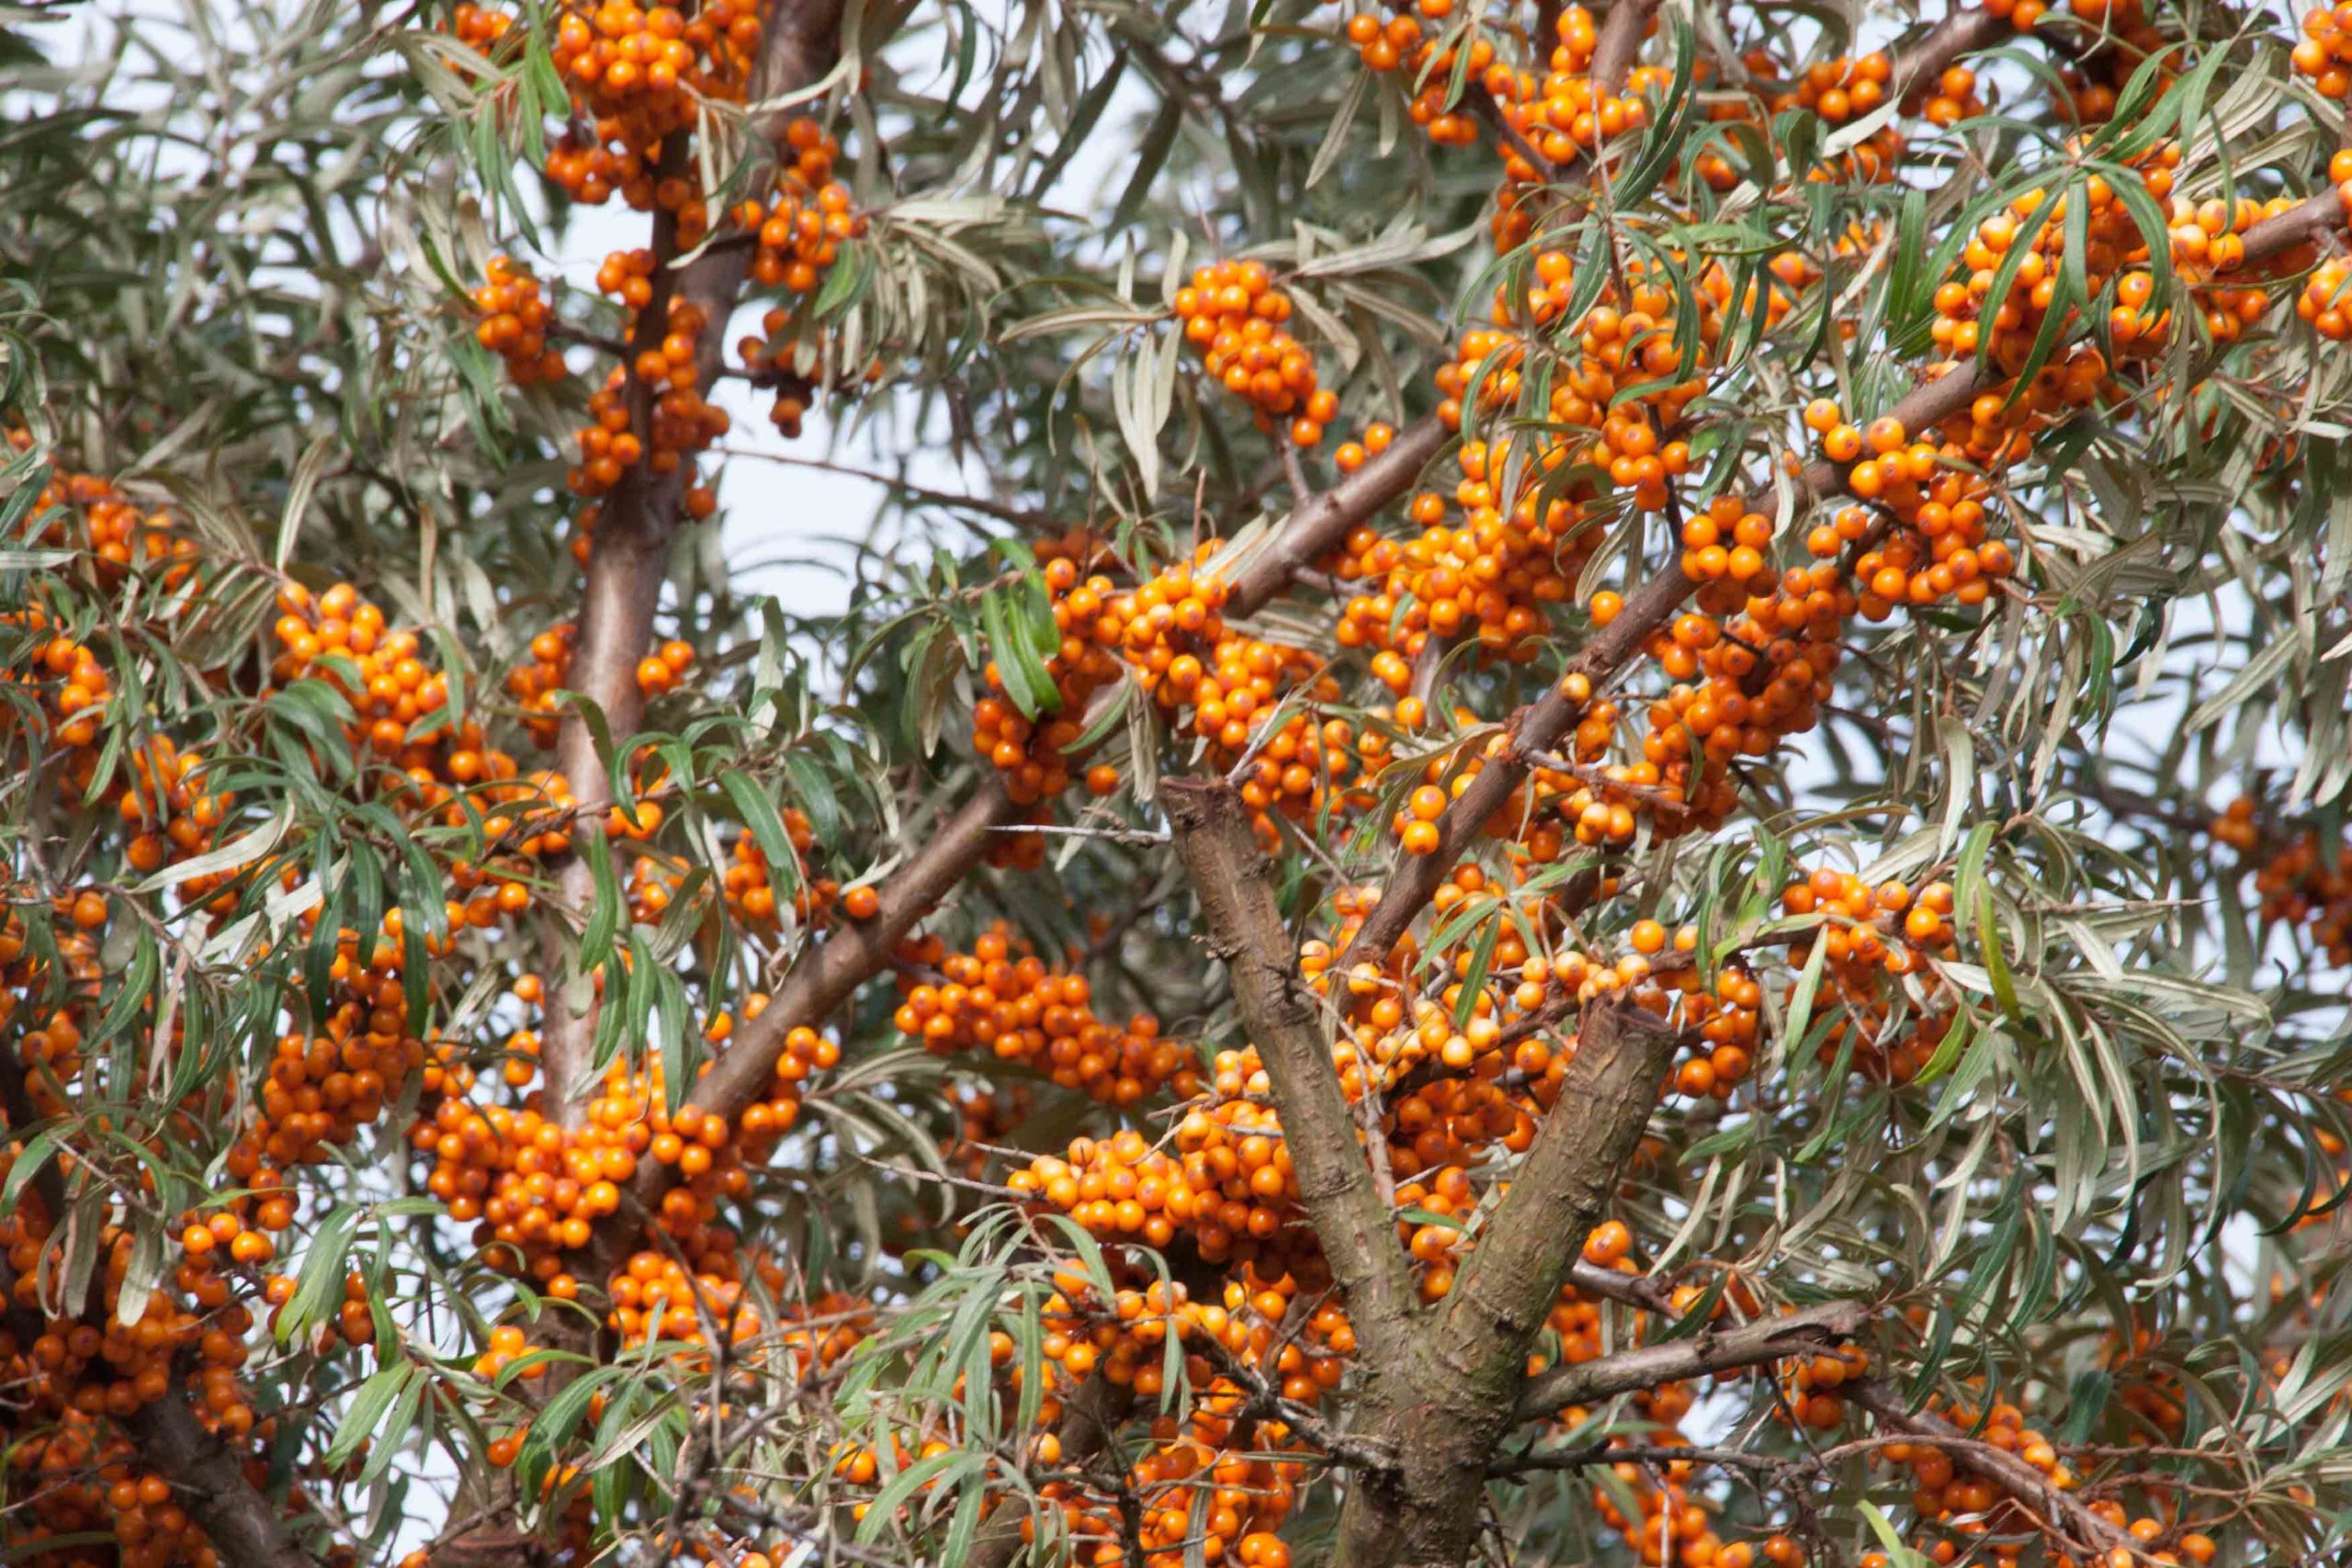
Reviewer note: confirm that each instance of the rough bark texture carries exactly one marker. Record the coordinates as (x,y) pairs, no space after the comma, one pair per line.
(1454,1394)
(246,1528)
(1802,1332)
(1232,880)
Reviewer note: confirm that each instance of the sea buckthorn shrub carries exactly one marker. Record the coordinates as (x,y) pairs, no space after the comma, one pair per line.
(1574,786)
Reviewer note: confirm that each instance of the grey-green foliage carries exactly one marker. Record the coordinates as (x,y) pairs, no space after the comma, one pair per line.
(237,240)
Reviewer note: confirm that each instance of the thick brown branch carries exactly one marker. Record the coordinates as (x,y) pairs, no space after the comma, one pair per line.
(1412,879)
(1335,1183)
(1557,1195)
(248,1529)
(1455,1389)
(1766,1339)
(1645,1292)
(825,978)
(1620,40)
(2301,224)
(1920,63)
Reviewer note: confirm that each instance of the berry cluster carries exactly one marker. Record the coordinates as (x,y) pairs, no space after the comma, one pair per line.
(1005,1001)
(681,423)
(1868,933)
(2325,51)
(1032,756)
(1234,316)
(514,324)
(800,230)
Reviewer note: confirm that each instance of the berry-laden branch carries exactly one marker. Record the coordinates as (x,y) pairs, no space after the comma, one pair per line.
(854,953)
(1802,1332)
(244,1525)
(1454,1391)
(630,547)
(1413,878)
(822,980)
(1246,932)
(247,1530)
(849,956)
(2005,1469)
(1556,1196)
(1315,529)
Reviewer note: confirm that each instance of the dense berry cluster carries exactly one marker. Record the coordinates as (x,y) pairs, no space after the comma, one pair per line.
(1237,320)
(1003,999)
(800,230)
(514,324)
(2325,51)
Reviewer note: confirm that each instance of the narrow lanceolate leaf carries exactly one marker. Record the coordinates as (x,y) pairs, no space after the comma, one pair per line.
(319,1284)
(1026,680)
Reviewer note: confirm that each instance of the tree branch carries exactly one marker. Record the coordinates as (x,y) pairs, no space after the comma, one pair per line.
(1512,1276)
(1766,1339)
(1335,1182)
(2086,1531)
(244,1527)
(247,1530)
(1920,63)
(1456,1387)
(1317,528)
(630,551)
(1620,40)
(825,978)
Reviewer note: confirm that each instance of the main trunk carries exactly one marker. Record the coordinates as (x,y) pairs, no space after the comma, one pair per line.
(1443,1429)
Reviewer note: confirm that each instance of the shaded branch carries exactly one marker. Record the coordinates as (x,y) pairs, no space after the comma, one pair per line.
(1620,40)
(248,1529)
(1800,1333)
(826,976)
(2085,1529)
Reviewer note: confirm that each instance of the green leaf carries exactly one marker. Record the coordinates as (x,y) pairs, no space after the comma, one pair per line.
(318,1288)
(604,909)
(1800,1017)
(367,1410)
(37,1151)
(813,792)
(944,1468)
(1026,681)
(760,816)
